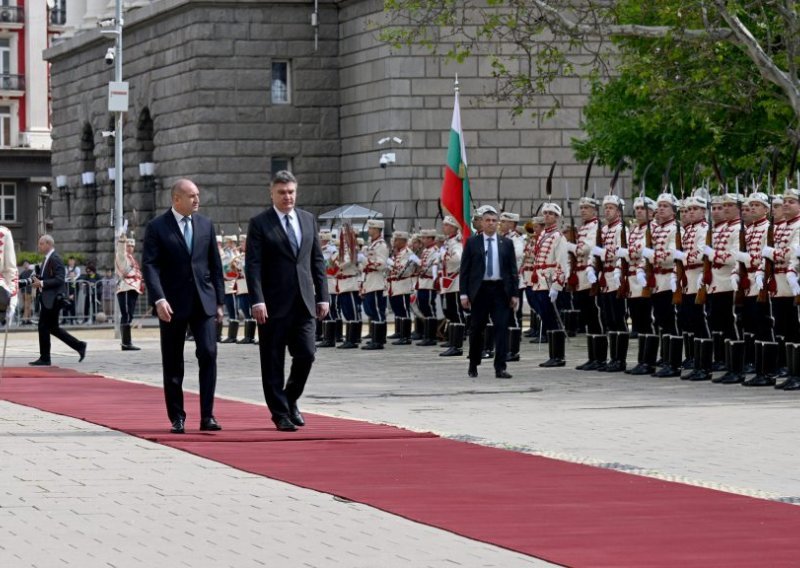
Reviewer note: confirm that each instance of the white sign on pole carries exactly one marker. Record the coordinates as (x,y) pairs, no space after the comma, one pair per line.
(118,96)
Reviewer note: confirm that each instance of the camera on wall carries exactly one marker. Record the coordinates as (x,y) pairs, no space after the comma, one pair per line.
(387,158)
(111,55)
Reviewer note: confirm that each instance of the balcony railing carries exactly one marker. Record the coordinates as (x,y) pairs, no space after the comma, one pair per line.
(12,82)
(58,16)
(11,15)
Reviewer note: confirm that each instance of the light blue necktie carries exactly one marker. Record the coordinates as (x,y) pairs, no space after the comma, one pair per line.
(187,232)
(489,258)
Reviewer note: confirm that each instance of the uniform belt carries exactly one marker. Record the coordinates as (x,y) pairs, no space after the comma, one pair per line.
(345,276)
(540,266)
(582,267)
(609,268)
(777,270)
(693,266)
(662,270)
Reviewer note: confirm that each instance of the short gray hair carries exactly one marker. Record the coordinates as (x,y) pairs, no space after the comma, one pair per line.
(283,176)
(48,239)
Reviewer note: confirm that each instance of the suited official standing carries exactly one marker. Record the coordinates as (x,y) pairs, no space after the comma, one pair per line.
(182,270)
(285,273)
(51,283)
(489,287)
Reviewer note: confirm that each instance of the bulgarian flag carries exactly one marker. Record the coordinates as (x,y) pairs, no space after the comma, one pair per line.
(455,187)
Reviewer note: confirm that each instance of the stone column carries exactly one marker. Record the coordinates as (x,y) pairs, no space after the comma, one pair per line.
(94,11)
(37,129)
(75,11)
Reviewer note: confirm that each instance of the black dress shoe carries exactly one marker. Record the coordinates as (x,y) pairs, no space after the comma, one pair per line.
(792,384)
(472,372)
(502,374)
(284,424)
(512,357)
(210,424)
(452,352)
(177,426)
(40,363)
(554,362)
(82,351)
(296,417)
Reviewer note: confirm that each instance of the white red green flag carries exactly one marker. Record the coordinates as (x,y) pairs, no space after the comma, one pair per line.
(455,187)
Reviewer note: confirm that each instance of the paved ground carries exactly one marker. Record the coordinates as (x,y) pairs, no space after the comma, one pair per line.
(91,497)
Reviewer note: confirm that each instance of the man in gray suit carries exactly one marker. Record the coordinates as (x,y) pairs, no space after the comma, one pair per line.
(285,274)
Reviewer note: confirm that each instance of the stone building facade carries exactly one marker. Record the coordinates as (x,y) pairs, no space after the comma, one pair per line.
(225,91)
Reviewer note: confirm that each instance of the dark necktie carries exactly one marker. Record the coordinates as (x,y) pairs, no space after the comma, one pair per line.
(292,236)
(187,232)
(489,258)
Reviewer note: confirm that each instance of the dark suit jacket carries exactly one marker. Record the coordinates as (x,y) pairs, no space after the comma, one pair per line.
(274,274)
(53,281)
(171,272)
(473,266)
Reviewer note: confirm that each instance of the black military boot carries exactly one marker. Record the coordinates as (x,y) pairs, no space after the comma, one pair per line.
(735,372)
(792,382)
(249,332)
(377,336)
(318,331)
(749,353)
(766,365)
(663,360)
(127,344)
(446,342)
(488,342)
(429,326)
(219,332)
(647,365)
(571,321)
(790,368)
(590,353)
(613,336)
(419,329)
(674,359)
(557,346)
(455,332)
(514,340)
(233,331)
(703,360)
(783,369)
(695,348)
(619,355)
(600,353)
(328,334)
(403,325)
(688,350)
(639,355)
(351,336)
(718,339)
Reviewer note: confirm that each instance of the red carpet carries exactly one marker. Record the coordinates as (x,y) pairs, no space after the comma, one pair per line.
(562,512)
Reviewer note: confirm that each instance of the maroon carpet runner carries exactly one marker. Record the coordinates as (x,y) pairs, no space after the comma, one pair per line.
(562,512)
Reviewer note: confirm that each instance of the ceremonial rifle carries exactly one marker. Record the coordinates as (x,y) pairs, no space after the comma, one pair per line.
(647,290)
(624,283)
(680,273)
(572,282)
(769,264)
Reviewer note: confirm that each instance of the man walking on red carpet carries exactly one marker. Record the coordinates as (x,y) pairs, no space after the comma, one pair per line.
(286,280)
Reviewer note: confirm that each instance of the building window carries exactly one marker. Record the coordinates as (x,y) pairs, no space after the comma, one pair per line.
(8,201)
(281,86)
(279,164)
(5,126)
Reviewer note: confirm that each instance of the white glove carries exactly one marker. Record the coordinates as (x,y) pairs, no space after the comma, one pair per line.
(742,257)
(622,253)
(700,281)
(759,282)
(679,255)
(435,271)
(768,252)
(708,252)
(673,282)
(598,251)
(553,294)
(795,287)
(390,262)
(591,276)
(648,253)
(615,278)
(571,247)
(414,258)
(361,257)
(735,281)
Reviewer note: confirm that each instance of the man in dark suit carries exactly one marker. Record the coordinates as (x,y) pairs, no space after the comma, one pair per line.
(489,287)
(50,282)
(183,274)
(285,274)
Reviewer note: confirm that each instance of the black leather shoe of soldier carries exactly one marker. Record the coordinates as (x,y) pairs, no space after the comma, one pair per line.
(472,372)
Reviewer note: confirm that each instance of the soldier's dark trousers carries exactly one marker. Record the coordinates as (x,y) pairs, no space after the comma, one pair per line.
(757,320)
(664,313)
(590,315)
(426,302)
(350,306)
(333,312)
(451,304)
(127,304)
(400,304)
(375,305)
(540,300)
(641,310)
(786,319)
(720,317)
(612,310)
(692,316)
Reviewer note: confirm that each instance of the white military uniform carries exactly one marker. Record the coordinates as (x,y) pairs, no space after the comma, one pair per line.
(663,235)
(401,275)
(451,265)
(693,239)
(8,267)
(375,266)
(725,244)
(549,261)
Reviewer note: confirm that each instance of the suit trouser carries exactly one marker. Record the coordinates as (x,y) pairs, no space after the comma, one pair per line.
(48,325)
(173,338)
(590,316)
(294,331)
(613,310)
(664,313)
(490,300)
(641,310)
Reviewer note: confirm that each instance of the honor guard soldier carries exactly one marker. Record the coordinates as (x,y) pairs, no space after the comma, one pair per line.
(449,287)
(403,265)
(547,280)
(331,325)
(784,290)
(661,258)
(242,296)
(612,306)
(230,273)
(426,286)
(373,288)
(130,286)
(722,255)
(691,312)
(346,260)
(8,276)
(534,228)
(508,229)
(641,283)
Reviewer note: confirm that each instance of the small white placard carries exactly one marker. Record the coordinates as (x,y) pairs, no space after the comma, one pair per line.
(118,96)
